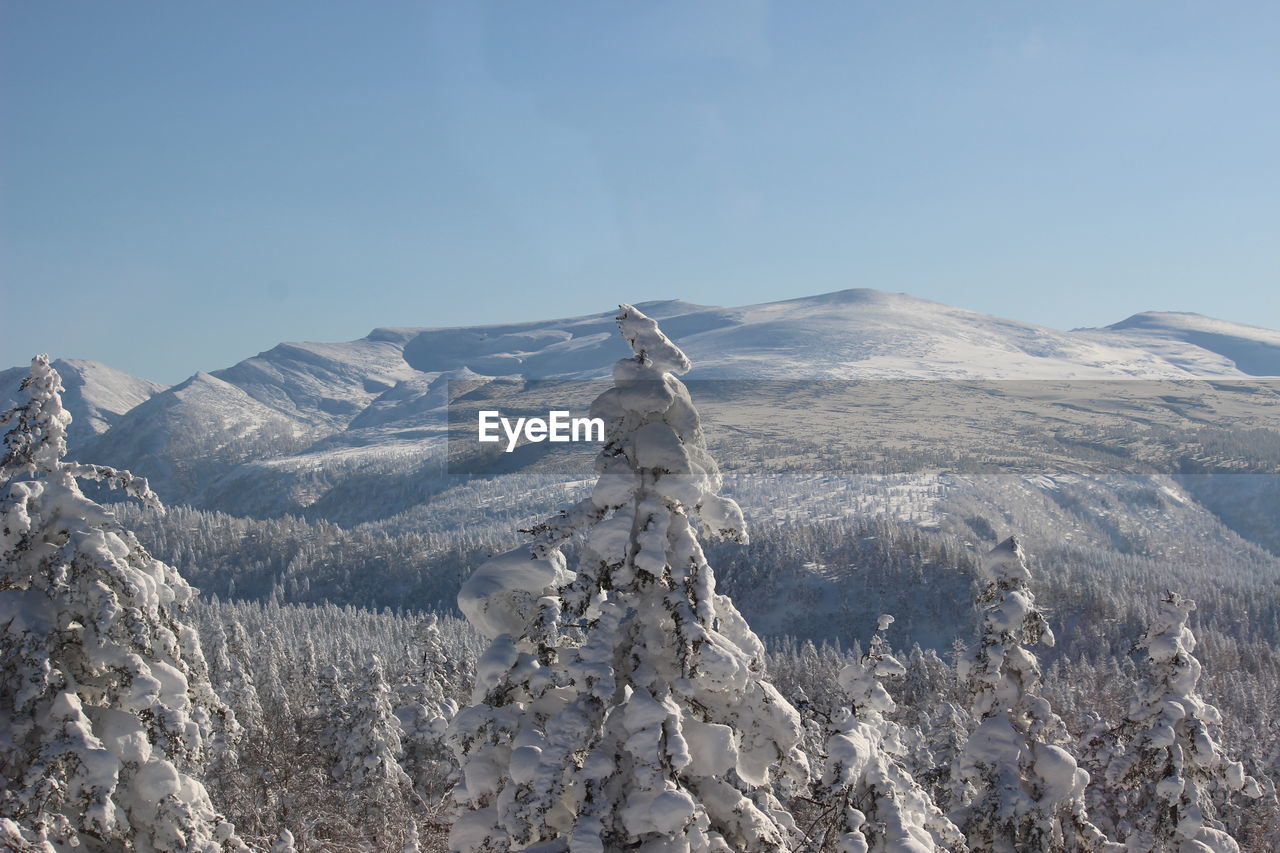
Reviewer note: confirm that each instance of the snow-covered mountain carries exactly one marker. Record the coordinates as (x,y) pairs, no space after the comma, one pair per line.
(355,433)
(1226,345)
(97,395)
(292,427)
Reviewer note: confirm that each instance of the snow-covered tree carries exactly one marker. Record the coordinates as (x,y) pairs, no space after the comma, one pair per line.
(16,839)
(368,766)
(329,726)
(873,798)
(435,672)
(274,692)
(105,704)
(625,705)
(1022,789)
(224,751)
(219,661)
(937,720)
(424,719)
(284,843)
(235,681)
(240,770)
(1168,777)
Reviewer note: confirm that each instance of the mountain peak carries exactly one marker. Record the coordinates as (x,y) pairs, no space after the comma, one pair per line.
(1162,320)
(97,395)
(1252,350)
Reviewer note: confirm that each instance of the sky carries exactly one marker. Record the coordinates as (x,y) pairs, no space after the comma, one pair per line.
(183,185)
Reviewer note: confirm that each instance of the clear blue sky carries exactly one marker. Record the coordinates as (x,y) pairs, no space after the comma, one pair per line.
(185,184)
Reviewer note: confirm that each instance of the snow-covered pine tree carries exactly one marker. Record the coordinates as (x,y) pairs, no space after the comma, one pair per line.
(876,804)
(932,710)
(16,839)
(238,688)
(224,750)
(1167,766)
(219,661)
(368,766)
(424,719)
(1022,789)
(328,730)
(302,677)
(105,704)
(624,706)
(1095,749)
(243,782)
(412,844)
(435,672)
(274,691)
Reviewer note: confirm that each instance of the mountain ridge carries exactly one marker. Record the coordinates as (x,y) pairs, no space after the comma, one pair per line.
(269,423)
(97,395)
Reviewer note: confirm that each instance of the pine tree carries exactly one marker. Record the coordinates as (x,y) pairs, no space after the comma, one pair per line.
(368,765)
(106,706)
(15,839)
(238,688)
(274,692)
(1167,766)
(224,751)
(425,719)
(435,672)
(244,765)
(411,842)
(329,725)
(932,710)
(1022,789)
(624,706)
(875,801)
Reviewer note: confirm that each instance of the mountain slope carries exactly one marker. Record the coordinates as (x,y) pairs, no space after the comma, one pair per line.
(318,383)
(96,395)
(1249,349)
(186,436)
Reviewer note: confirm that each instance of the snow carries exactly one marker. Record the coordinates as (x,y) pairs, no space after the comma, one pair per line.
(320,383)
(498,596)
(712,751)
(156,780)
(509,596)
(283,843)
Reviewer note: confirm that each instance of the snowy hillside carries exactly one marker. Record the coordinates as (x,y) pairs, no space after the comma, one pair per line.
(1216,344)
(97,395)
(848,334)
(191,432)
